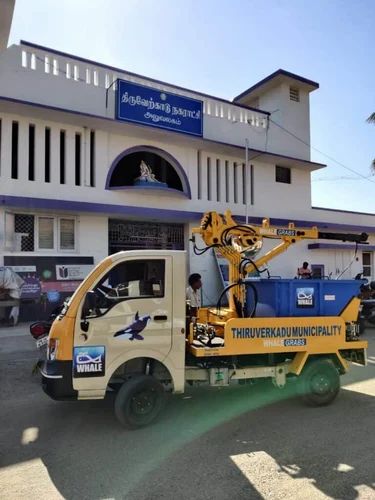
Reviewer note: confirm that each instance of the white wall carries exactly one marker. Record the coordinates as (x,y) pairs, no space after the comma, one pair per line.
(293,116)
(223,121)
(295,196)
(93,236)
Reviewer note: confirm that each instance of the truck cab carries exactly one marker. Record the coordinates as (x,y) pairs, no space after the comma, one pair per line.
(127,317)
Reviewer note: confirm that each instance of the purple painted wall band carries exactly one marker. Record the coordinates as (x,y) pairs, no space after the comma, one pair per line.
(153,213)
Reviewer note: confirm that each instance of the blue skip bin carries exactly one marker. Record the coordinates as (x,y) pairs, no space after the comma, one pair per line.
(291,297)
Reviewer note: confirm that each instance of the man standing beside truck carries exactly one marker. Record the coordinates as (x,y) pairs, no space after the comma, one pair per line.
(193,296)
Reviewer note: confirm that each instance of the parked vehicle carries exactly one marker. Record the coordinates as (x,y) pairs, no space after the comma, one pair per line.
(125,326)
(39,330)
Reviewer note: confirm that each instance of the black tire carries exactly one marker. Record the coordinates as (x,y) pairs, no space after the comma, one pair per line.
(319,382)
(139,401)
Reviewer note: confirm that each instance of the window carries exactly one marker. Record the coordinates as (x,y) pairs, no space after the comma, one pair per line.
(78,160)
(218,179)
(245,182)
(209,178)
(31,152)
(67,234)
(367,264)
(92,158)
(199,175)
(252,184)
(62,156)
(47,154)
(133,279)
(14,150)
(46,233)
(227,181)
(294,94)
(235,182)
(283,174)
(49,233)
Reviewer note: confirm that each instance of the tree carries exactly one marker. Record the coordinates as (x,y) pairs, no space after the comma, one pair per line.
(371,119)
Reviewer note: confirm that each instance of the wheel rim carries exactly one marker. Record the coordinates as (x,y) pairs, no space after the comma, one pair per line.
(143,403)
(320,384)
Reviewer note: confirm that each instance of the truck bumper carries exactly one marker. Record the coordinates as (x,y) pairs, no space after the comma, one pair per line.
(57,380)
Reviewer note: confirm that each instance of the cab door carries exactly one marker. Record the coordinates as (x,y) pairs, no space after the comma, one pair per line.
(128,313)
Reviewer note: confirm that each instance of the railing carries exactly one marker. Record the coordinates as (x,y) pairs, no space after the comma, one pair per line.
(89,74)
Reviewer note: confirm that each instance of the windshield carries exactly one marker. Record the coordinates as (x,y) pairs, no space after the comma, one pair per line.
(132,279)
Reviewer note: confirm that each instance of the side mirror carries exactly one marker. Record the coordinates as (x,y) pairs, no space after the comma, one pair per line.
(90,304)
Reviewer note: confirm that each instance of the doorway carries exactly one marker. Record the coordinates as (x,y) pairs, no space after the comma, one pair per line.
(134,235)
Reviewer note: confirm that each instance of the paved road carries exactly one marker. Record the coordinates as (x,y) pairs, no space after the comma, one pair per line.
(239,443)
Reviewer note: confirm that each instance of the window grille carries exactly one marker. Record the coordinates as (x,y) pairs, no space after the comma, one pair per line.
(143,235)
(24,232)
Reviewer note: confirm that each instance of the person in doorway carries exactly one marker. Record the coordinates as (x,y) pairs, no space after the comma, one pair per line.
(304,271)
(193,296)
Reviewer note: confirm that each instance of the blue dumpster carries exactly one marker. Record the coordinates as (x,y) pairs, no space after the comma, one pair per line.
(292,297)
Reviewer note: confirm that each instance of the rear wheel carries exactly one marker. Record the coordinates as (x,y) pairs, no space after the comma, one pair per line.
(319,382)
(139,401)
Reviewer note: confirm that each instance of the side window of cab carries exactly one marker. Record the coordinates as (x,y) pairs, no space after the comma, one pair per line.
(131,279)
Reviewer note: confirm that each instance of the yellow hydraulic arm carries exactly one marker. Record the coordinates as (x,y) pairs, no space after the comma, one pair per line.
(236,241)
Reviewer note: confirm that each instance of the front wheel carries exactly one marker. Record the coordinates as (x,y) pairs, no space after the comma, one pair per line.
(319,382)
(139,401)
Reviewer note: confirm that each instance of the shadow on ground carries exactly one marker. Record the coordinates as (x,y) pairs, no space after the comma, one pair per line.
(187,454)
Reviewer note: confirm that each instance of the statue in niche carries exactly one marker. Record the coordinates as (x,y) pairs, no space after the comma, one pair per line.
(147,177)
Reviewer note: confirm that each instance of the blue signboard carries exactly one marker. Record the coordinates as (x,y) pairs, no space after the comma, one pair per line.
(147,106)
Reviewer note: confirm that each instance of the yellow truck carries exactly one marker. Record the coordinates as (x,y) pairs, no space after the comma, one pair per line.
(126,327)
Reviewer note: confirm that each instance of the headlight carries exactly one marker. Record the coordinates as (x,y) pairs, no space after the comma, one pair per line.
(53,345)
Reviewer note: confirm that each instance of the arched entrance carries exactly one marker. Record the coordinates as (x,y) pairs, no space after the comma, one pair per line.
(168,173)
(165,174)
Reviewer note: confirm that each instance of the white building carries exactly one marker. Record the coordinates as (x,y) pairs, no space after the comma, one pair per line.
(72,143)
